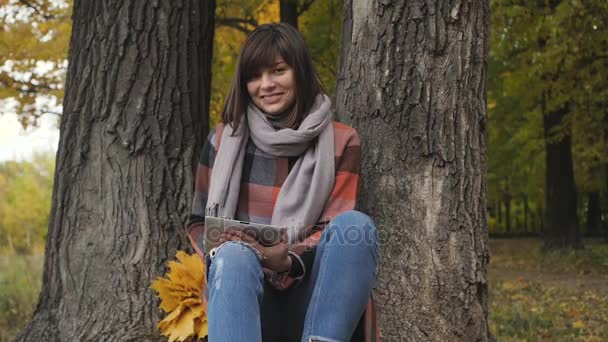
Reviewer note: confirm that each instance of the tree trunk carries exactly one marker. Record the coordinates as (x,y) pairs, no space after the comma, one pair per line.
(526,214)
(289,12)
(594,215)
(412,80)
(135,112)
(541,219)
(508,213)
(500,217)
(561,229)
(605,221)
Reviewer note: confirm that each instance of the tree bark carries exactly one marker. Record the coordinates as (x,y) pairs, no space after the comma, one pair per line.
(412,80)
(594,215)
(135,114)
(289,12)
(561,229)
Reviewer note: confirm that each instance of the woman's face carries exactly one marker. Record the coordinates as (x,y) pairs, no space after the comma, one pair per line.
(273,88)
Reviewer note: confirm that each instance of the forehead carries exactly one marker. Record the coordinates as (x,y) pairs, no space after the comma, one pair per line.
(258,57)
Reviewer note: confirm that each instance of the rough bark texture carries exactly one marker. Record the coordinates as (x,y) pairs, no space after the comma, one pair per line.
(135,113)
(561,229)
(412,81)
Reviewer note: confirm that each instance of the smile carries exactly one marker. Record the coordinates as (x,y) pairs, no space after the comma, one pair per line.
(272,98)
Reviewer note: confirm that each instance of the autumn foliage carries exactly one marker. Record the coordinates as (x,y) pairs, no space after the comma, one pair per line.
(181,298)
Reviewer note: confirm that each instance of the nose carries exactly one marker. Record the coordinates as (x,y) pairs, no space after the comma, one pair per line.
(267,81)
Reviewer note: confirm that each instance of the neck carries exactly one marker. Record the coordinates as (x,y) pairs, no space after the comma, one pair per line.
(278,121)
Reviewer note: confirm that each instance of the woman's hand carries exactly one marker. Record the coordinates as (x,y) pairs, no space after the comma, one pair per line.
(276,256)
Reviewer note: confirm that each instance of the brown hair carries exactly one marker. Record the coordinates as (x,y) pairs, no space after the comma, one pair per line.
(260,50)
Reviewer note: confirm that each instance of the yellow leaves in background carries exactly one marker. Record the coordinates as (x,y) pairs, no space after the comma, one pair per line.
(25,203)
(181,298)
(531,310)
(268,12)
(579,324)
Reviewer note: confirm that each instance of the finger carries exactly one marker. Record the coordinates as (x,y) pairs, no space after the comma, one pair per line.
(246,237)
(231,237)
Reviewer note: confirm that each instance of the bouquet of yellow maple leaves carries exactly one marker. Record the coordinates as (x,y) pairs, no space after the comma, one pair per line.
(181,298)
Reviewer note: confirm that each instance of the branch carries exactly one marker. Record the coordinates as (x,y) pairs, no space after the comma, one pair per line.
(305,6)
(237,23)
(36,9)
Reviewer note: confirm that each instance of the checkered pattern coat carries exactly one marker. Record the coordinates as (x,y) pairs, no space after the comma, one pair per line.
(263,176)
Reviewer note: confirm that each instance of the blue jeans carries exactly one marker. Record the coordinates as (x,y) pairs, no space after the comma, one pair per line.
(325,306)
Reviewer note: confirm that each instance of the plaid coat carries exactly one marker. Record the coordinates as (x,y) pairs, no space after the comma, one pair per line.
(263,176)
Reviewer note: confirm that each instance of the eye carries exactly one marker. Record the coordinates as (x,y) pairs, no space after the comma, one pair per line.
(279,70)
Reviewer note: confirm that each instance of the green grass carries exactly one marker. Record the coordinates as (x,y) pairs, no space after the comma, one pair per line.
(528,255)
(537,295)
(20,281)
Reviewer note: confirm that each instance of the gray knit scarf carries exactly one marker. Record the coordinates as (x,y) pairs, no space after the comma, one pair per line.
(304,193)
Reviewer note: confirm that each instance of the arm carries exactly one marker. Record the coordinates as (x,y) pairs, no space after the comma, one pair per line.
(196,221)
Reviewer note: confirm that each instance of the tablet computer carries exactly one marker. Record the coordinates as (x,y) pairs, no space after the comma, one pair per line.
(265,234)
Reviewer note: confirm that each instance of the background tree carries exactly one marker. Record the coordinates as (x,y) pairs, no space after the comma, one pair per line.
(412,80)
(33,55)
(550,58)
(134,118)
(25,190)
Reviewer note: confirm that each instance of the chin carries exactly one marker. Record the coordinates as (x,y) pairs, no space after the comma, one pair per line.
(273,111)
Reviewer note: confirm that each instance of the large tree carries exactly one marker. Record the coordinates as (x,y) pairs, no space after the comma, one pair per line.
(135,112)
(412,80)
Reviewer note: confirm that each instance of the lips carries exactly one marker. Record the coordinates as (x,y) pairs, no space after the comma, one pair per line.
(272,98)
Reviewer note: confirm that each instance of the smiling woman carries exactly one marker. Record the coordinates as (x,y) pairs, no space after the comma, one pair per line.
(273,88)
(279,159)
(276,73)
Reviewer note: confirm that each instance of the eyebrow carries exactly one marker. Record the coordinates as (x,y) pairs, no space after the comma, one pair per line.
(278,63)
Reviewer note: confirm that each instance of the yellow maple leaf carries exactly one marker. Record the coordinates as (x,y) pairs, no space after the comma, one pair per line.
(180,292)
(578,324)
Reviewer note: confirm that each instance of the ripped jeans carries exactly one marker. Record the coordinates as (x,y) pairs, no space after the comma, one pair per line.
(325,306)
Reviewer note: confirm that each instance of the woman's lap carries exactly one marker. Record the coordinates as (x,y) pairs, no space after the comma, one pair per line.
(283,312)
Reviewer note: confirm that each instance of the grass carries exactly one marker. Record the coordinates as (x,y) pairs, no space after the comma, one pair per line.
(20,281)
(528,255)
(533,296)
(548,296)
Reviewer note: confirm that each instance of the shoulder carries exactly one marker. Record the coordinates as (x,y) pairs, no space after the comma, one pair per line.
(215,135)
(345,135)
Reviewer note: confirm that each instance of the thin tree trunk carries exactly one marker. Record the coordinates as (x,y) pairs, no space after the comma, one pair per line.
(526,213)
(508,212)
(561,230)
(594,218)
(500,216)
(135,111)
(541,219)
(289,12)
(412,80)
(605,221)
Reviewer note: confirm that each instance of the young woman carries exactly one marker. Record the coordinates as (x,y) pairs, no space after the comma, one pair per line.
(278,158)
